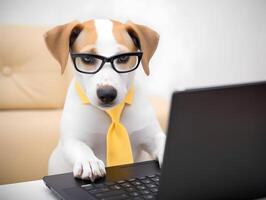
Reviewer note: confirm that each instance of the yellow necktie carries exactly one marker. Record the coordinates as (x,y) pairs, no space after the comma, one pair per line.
(118,147)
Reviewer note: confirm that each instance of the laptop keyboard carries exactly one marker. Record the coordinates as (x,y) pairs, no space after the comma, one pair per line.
(145,187)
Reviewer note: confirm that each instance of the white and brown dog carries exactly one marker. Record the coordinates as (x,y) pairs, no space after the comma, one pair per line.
(82,145)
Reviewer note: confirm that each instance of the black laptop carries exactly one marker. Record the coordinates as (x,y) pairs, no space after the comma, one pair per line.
(215,149)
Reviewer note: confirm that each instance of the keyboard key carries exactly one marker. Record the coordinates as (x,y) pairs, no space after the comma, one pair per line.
(151,185)
(145,192)
(132,179)
(152,176)
(115,187)
(87,187)
(156,179)
(141,178)
(140,187)
(149,197)
(136,183)
(120,182)
(110,193)
(146,181)
(126,185)
(155,190)
(131,189)
(134,194)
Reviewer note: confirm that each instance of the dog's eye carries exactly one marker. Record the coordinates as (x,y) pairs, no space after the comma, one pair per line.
(122,59)
(89,60)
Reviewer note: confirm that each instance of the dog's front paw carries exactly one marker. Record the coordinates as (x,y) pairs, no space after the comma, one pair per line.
(89,169)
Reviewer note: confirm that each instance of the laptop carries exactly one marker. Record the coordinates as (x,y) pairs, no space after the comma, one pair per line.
(215,149)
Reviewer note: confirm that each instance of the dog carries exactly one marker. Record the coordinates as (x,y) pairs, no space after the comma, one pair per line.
(82,144)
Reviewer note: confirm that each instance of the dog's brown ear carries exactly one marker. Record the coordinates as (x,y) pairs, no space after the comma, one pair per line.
(59,39)
(145,39)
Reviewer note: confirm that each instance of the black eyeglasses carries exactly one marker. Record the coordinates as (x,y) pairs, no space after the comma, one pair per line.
(92,63)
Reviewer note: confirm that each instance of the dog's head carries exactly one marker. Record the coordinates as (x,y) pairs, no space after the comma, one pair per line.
(106,38)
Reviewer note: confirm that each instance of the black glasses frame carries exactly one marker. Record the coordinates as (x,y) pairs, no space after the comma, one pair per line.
(105,60)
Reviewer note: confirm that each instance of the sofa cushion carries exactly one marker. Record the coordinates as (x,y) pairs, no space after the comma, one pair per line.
(27,139)
(29,75)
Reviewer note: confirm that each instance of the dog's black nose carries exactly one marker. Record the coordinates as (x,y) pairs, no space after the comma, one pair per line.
(106,94)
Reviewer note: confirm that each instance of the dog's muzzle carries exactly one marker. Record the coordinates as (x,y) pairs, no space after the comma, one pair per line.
(106,94)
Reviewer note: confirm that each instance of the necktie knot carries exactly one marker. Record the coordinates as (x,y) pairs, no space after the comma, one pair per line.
(115,112)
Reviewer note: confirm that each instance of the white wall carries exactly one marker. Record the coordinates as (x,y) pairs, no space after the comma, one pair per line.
(202,43)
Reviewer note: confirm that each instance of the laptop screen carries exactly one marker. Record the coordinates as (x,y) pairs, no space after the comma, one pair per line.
(216,144)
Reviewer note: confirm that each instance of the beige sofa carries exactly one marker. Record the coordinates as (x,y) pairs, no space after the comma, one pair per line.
(32,93)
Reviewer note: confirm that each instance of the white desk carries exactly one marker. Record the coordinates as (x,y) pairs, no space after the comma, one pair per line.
(30,190)
(26,191)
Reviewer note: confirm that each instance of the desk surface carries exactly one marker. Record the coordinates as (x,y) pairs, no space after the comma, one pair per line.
(26,191)
(30,190)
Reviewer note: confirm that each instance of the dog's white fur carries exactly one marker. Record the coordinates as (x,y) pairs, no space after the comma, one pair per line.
(82,145)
